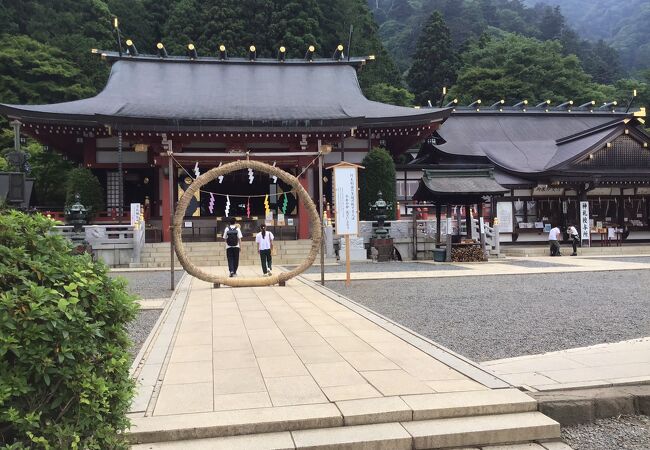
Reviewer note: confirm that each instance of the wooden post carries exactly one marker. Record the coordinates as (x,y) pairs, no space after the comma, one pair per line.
(468,221)
(438,224)
(481,230)
(347,260)
(320,211)
(449,230)
(171,215)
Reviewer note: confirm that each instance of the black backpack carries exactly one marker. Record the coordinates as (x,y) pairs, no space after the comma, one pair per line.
(232,237)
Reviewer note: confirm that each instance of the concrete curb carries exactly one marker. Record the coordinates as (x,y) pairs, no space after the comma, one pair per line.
(572,407)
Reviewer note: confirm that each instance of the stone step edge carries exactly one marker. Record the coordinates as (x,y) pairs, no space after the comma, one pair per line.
(426,434)
(571,407)
(406,408)
(391,435)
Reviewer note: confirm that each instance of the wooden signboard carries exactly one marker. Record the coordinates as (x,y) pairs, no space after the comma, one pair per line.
(346,203)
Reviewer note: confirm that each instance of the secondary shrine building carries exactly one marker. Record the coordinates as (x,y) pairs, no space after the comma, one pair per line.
(212,111)
(532,167)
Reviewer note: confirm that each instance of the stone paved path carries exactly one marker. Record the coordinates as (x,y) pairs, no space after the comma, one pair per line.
(232,349)
(509,266)
(603,365)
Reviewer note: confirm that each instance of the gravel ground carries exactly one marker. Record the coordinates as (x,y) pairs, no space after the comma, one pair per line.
(632,259)
(616,433)
(149,284)
(140,328)
(493,317)
(146,285)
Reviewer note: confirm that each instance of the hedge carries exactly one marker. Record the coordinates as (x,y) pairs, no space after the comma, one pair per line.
(64,361)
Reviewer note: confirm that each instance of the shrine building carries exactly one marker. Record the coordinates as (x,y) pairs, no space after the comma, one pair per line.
(213,110)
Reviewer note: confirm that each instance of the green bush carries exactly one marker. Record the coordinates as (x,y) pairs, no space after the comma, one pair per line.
(64,361)
(86,184)
(378,175)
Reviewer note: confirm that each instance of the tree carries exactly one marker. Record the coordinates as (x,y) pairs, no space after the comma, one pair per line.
(295,24)
(552,24)
(83,182)
(516,68)
(378,175)
(433,63)
(31,72)
(386,93)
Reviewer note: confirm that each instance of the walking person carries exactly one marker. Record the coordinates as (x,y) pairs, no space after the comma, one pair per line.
(575,238)
(264,241)
(232,235)
(554,241)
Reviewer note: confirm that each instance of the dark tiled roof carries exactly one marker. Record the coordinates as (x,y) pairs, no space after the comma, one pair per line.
(527,142)
(459,181)
(237,93)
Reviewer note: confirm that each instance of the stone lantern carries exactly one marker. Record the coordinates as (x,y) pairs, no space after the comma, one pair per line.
(381,241)
(76,215)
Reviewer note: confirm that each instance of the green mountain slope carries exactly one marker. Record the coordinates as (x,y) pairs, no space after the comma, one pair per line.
(623,24)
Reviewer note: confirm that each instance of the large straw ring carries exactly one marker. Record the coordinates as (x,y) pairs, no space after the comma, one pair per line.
(211,175)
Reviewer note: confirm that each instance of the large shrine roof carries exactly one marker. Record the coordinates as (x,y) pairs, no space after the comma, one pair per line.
(239,93)
(529,142)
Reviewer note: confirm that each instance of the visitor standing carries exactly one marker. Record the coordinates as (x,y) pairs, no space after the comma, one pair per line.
(264,241)
(232,235)
(575,238)
(553,240)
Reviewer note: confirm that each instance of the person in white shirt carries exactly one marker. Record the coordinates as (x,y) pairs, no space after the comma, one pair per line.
(575,238)
(554,241)
(232,235)
(264,240)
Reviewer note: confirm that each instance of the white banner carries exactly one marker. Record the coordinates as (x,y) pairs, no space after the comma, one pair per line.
(504,214)
(584,221)
(347,200)
(135,213)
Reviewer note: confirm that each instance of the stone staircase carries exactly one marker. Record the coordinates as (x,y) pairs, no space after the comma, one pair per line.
(214,253)
(428,421)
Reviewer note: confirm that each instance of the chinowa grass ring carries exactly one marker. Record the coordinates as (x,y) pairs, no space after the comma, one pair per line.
(181,208)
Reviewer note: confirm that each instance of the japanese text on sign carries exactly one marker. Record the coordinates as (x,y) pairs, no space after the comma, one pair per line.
(347,200)
(584,221)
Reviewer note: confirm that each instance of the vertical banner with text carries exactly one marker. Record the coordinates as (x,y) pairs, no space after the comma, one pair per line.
(584,221)
(347,200)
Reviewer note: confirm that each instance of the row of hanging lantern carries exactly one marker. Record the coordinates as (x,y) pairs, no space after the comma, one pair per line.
(192,52)
(545,106)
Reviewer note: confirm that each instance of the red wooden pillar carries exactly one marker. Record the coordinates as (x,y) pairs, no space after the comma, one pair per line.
(90,151)
(163,190)
(303,215)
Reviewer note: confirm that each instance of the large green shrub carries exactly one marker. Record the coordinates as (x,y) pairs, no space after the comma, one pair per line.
(64,361)
(378,175)
(86,184)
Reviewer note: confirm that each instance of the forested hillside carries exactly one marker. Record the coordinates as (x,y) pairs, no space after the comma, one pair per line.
(400,23)
(622,24)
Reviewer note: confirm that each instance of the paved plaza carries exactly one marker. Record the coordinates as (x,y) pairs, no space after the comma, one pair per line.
(247,367)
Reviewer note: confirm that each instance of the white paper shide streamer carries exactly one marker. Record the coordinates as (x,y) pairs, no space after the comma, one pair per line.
(227,205)
(197,172)
(275,179)
(220,176)
(251,176)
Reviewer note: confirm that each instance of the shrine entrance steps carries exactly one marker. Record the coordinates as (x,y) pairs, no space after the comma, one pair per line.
(213,254)
(428,421)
